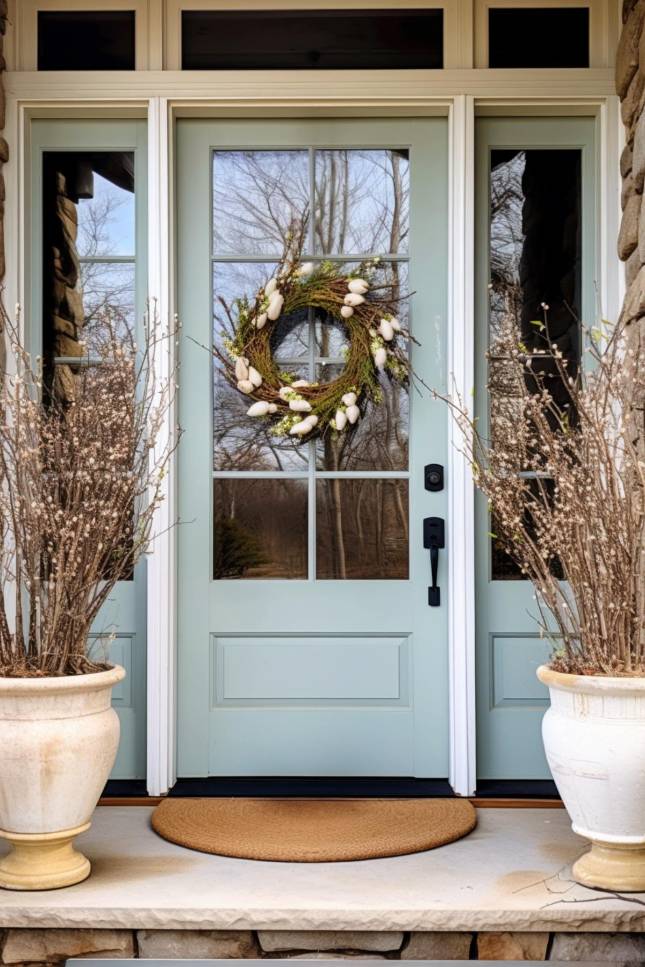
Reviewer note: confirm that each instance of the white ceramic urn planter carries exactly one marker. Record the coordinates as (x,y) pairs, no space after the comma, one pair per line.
(594,738)
(58,742)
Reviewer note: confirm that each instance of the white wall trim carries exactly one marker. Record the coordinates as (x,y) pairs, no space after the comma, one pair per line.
(162,580)
(461,521)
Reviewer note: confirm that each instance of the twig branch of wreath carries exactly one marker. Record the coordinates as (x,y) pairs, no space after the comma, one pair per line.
(377,345)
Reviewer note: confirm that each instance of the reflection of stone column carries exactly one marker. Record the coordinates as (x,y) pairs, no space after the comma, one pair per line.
(63,298)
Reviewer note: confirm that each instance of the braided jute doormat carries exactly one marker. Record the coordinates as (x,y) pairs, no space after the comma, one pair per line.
(313,830)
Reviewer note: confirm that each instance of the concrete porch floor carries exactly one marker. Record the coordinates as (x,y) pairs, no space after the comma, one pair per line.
(511,874)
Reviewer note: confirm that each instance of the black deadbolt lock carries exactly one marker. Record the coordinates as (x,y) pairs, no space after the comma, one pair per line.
(433,476)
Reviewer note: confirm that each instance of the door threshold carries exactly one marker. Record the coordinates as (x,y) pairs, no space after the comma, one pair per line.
(490,794)
(315,788)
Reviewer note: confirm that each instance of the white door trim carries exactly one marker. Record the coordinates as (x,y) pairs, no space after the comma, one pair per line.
(461,525)
(162,561)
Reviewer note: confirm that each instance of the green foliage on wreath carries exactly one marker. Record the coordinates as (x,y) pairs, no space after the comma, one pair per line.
(377,346)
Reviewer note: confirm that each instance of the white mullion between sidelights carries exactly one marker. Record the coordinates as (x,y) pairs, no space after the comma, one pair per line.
(161,565)
(461,522)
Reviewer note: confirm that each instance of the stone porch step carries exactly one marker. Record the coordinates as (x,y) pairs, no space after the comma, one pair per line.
(506,884)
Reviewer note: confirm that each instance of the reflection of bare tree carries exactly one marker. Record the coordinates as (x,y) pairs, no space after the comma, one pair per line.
(361,201)
(260,528)
(373,543)
(257,196)
(105,286)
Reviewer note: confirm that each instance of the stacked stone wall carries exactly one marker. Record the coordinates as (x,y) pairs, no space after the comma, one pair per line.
(50,948)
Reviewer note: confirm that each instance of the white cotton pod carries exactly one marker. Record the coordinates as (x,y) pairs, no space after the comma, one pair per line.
(300,406)
(340,420)
(284,393)
(255,377)
(386,330)
(354,299)
(353,413)
(301,382)
(346,312)
(380,357)
(270,287)
(305,426)
(275,306)
(305,269)
(359,286)
(245,386)
(396,325)
(349,399)
(261,408)
(313,419)
(241,368)
(273,407)
(261,321)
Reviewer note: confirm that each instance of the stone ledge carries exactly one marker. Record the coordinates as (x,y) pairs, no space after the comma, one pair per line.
(511,875)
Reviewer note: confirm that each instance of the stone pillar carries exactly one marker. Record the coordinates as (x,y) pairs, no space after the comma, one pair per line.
(4,156)
(630,86)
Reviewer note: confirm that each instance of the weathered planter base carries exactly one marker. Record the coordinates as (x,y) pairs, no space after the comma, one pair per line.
(43,861)
(611,866)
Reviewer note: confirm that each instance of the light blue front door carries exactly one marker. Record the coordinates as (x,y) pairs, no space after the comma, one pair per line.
(317,654)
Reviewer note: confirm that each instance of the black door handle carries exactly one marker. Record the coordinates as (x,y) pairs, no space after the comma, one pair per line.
(434,539)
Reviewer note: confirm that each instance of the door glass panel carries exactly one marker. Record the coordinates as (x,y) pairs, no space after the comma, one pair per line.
(535,278)
(258,197)
(260,528)
(107,288)
(362,529)
(380,440)
(361,202)
(240,443)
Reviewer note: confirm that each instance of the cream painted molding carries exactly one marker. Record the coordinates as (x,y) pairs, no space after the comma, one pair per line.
(384,89)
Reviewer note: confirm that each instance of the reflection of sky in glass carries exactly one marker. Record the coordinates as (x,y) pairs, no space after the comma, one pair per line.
(361,201)
(258,197)
(106,221)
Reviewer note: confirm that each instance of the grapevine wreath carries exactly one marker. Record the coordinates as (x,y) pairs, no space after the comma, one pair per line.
(377,343)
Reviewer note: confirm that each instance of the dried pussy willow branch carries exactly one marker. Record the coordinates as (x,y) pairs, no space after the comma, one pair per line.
(562,468)
(80,484)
